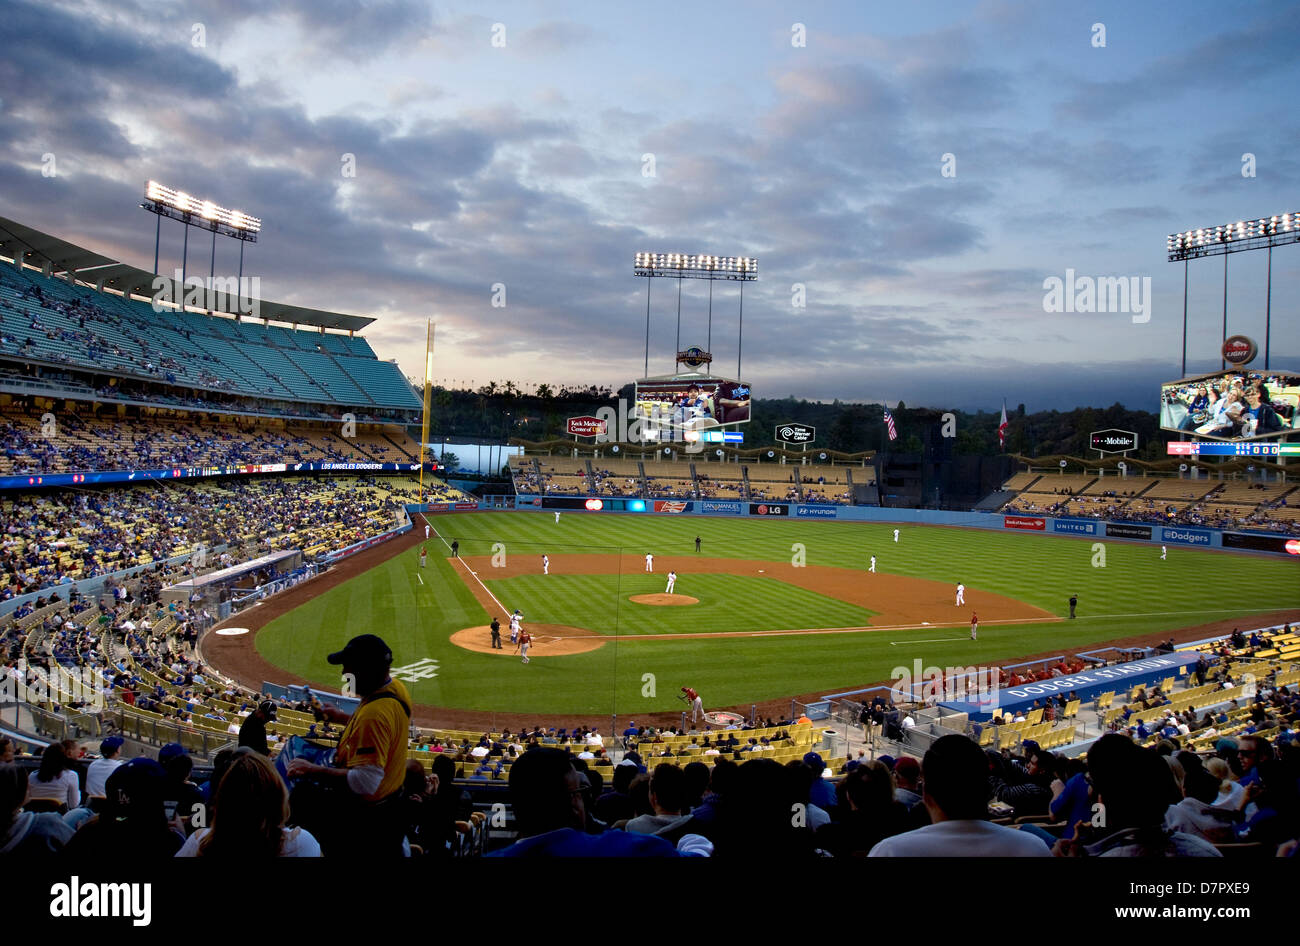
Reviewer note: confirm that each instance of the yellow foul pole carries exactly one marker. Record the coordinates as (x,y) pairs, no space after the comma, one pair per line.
(428,388)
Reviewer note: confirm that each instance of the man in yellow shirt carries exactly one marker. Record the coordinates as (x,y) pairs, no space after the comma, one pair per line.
(370,762)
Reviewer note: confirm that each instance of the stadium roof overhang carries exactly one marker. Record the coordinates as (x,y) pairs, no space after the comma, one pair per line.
(36,248)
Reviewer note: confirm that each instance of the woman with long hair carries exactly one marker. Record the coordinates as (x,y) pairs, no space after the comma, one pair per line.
(56,779)
(250,808)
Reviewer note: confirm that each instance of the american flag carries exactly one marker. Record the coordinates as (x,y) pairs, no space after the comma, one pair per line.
(889,423)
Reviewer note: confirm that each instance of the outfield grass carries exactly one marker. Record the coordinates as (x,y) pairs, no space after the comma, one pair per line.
(416,610)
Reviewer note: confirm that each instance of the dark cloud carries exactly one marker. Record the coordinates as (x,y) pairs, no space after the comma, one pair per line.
(917,286)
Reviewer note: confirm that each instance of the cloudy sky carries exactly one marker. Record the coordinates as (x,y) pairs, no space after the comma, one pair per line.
(914,171)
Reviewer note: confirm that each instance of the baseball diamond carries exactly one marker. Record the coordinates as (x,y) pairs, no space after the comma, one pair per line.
(749,638)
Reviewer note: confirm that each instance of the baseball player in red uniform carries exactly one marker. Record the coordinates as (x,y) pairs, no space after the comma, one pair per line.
(524,640)
(697,705)
(974,624)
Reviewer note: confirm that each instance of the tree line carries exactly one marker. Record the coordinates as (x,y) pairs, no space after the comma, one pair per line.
(501,410)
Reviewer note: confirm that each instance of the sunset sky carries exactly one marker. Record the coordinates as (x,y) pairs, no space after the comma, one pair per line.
(541,145)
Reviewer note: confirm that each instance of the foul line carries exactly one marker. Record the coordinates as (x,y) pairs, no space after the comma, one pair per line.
(467,568)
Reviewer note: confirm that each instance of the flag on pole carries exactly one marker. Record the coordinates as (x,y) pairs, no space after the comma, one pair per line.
(1002,427)
(889,424)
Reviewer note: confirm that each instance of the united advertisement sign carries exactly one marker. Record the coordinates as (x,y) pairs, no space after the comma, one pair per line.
(1074,526)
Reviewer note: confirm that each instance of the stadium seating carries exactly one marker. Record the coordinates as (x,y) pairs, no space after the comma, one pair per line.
(53,321)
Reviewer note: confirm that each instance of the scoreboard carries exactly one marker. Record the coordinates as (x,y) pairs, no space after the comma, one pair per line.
(1187,448)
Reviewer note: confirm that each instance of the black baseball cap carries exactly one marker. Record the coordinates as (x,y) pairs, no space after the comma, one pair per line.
(365,648)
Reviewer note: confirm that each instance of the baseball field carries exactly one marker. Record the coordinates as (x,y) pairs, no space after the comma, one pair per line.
(765,610)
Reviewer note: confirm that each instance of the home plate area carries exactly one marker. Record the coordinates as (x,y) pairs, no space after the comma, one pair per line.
(549,640)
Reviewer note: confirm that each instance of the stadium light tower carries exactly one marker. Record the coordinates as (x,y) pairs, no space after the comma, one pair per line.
(741,269)
(1259,234)
(177,205)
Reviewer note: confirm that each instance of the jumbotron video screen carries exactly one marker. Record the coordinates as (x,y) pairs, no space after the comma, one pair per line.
(1235,404)
(693,403)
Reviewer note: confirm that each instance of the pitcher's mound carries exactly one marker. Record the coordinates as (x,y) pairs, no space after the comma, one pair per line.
(664,599)
(549,640)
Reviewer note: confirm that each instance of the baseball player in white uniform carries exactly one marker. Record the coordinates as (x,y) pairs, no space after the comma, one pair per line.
(546,565)
(514,626)
(426,530)
(961,594)
(1163,552)
(557,517)
(873,565)
(672,580)
(895,535)
(649,562)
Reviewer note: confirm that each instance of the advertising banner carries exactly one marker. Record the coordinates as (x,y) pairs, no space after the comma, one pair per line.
(722,506)
(815,512)
(1075,526)
(1037,523)
(769,509)
(1185,536)
(1128,532)
(31,480)
(1261,543)
(672,505)
(586,426)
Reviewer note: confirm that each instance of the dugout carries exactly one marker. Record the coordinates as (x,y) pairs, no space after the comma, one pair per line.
(216,590)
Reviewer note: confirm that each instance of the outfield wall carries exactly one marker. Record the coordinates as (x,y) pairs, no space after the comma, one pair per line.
(1268,542)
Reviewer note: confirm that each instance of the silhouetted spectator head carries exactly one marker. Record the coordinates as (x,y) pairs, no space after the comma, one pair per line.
(907,772)
(135,792)
(956,780)
(697,782)
(1135,785)
(416,781)
(176,761)
(623,775)
(445,769)
(13,793)
(546,793)
(668,789)
(367,658)
(723,776)
(868,787)
(756,814)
